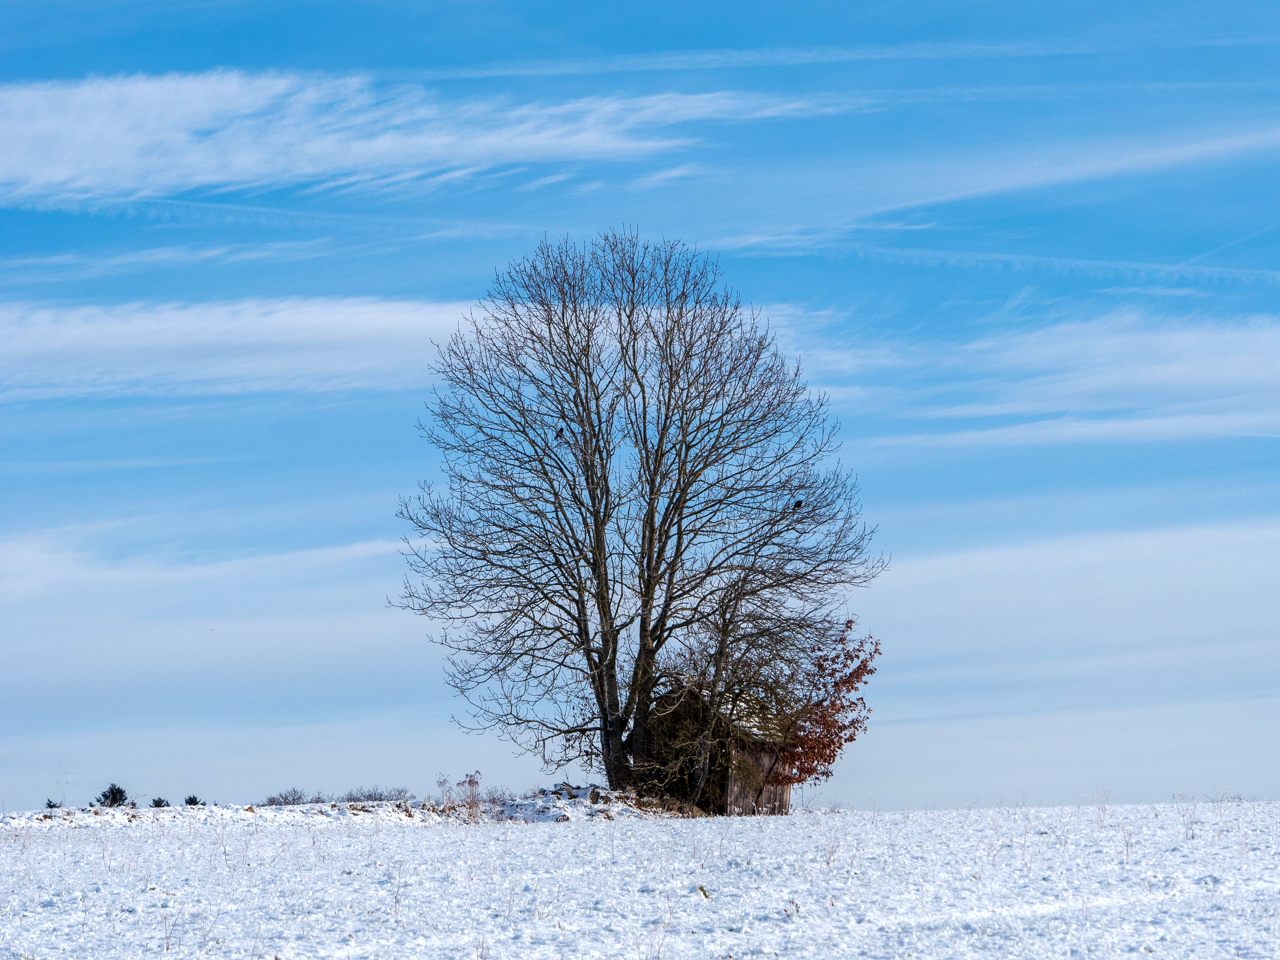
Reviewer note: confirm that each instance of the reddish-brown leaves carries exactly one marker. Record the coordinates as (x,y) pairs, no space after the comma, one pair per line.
(832,715)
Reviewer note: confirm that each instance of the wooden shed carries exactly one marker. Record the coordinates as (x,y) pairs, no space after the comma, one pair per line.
(745,755)
(748,791)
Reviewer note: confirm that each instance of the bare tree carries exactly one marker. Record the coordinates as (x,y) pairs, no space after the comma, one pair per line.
(639,493)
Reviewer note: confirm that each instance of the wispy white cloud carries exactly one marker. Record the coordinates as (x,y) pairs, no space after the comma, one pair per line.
(1017,167)
(1076,265)
(220,347)
(1150,291)
(1120,377)
(165,137)
(155,136)
(1128,360)
(663,177)
(77,266)
(1217,423)
(195,621)
(238,652)
(803,240)
(723,59)
(46,563)
(546,181)
(1118,620)
(1119,660)
(1115,617)
(1116,659)
(861,192)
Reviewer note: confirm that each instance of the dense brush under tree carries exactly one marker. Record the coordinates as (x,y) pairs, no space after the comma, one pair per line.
(641,504)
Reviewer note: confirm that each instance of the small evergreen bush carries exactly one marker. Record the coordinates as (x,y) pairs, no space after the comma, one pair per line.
(52,805)
(159,802)
(193,801)
(113,796)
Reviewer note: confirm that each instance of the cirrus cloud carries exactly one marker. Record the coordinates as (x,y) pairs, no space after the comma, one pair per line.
(221,347)
(153,136)
(1121,376)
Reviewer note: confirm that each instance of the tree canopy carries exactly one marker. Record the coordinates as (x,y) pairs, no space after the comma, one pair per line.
(641,498)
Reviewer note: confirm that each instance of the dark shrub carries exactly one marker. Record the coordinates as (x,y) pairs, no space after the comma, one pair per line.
(113,796)
(159,802)
(375,794)
(193,801)
(292,797)
(52,805)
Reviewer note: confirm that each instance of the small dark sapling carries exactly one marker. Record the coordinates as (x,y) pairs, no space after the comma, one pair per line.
(113,796)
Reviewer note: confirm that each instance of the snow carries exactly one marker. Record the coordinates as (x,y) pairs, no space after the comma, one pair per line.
(562,876)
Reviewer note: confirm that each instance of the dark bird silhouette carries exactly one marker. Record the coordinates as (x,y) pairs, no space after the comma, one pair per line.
(560,433)
(799,504)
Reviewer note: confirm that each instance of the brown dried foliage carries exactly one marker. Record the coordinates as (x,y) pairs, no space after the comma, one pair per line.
(832,714)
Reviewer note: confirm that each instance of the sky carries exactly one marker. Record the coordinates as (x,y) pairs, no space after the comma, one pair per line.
(1028,250)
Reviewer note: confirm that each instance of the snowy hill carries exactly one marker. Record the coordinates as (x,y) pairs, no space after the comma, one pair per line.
(591,876)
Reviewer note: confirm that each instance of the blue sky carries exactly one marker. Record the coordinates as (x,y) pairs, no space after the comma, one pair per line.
(1030,250)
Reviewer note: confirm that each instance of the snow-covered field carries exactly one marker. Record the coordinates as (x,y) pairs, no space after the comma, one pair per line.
(1095,880)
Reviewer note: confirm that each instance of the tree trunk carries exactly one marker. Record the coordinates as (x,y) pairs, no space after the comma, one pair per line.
(712,706)
(617,769)
(642,747)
